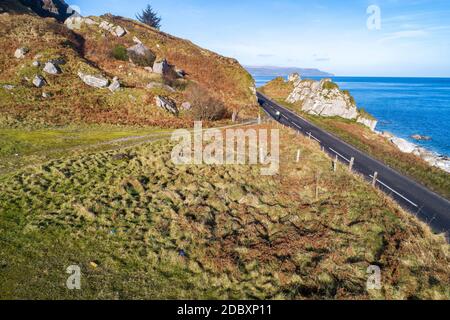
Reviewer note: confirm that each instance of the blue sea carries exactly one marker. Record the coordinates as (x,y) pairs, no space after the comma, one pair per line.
(403,106)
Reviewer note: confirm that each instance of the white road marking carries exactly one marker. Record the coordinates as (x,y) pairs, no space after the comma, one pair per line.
(340,155)
(403,197)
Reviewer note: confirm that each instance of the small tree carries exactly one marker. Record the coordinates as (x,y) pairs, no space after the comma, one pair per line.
(149,17)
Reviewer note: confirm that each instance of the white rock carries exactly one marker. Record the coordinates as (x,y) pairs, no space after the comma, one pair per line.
(161,66)
(36,64)
(444,164)
(8,87)
(94,80)
(39,81)
(21,52)
(76,22)
(294,77)
(403,145)
(51,68)
(118,31)
(115,85)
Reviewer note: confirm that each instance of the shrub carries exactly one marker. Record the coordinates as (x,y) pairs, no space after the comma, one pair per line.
(204,106)
(119,52)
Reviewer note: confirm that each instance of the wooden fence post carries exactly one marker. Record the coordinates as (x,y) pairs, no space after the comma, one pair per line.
(375,179)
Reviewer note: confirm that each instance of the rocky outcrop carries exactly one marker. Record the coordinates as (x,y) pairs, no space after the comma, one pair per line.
(75,23)
(115,30)
(95,81)
(433,159)
(324,98)
(166,104)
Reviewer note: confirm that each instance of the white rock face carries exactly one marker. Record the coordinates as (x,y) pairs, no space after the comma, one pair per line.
(370,123)
(93,80)
(324,98)
(403,145)
(39,81)
(321,101)
(52,68)
(21,52)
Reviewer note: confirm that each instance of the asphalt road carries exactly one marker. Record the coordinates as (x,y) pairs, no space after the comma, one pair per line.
(420,201)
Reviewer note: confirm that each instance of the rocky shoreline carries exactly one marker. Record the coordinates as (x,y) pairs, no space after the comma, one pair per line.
(432,158)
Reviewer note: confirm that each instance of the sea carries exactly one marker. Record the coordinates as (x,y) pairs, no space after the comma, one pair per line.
(403,106)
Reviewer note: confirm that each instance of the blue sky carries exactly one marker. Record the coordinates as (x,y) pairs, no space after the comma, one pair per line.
(414,39)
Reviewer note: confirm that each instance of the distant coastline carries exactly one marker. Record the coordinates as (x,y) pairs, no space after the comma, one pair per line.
(258,71)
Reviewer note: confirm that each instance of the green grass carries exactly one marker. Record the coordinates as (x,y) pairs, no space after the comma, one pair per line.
(131,211)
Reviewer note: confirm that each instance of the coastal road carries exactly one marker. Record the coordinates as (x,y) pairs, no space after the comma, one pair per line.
(420,201)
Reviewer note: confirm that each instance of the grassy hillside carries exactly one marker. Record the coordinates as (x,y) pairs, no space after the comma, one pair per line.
(371,143)
(90,50)
(140,227)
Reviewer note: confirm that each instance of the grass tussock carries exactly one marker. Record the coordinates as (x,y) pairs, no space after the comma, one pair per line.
(141,227)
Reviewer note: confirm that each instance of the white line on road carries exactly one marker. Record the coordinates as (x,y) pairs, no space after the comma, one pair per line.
(403,197)
(340,155)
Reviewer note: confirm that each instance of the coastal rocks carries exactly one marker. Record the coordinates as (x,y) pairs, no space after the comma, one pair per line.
(324,98)
(52,68)
(403,145)
(94,80)
(421,138)
(433,159)
(117,31)
(141,55)
(39,81)
(161,66)
(166,104)
(21,52)
(115,85)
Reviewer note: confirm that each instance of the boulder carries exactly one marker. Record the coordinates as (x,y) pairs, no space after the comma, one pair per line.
(186,106)
(118,31)
(46,95)
(52,68)
(39,81)
(403,145)
(421,138)
(115,85)
(166,104)
(153,85)
(95,81)
(141,55)
(21,52)
(36,64)
(161,66)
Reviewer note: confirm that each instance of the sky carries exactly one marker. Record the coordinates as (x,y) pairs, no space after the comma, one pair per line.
(395,38)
